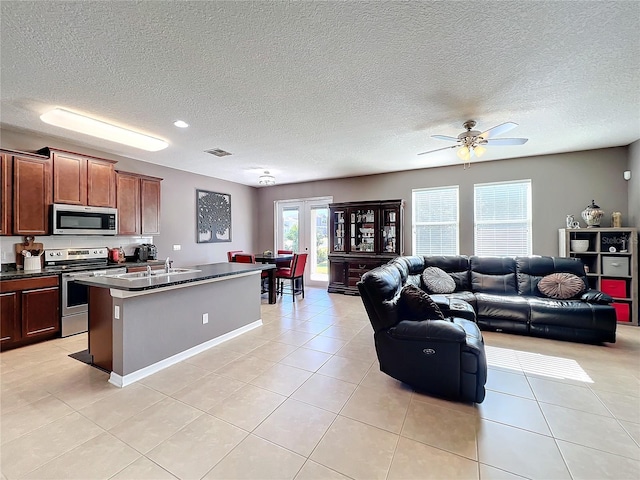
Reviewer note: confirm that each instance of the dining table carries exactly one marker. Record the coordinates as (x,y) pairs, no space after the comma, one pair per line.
(279,260)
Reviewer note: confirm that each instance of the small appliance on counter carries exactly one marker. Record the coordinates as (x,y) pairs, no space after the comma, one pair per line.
(146,251)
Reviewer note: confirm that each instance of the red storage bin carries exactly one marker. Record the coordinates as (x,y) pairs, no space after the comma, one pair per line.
(622,311)
(615,288)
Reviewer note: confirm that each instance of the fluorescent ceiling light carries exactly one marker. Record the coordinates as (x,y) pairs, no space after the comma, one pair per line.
(181,124)
(96,128)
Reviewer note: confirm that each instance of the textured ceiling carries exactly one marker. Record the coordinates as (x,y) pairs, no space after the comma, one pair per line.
(311,90)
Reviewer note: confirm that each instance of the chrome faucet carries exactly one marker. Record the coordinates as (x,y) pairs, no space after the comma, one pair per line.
(167,265)
(148,270)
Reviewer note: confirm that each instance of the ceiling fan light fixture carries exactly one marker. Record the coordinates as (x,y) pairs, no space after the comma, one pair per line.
(464,153)
(267,179)
(479,150)
(62,118)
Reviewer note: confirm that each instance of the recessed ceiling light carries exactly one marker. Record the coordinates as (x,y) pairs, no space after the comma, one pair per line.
(181,124)
(96,128)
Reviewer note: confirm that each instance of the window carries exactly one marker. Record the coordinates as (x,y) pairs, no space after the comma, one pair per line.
(435,221)
(503,218)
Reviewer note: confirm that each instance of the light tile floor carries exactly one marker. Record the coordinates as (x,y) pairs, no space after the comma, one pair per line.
(302,397)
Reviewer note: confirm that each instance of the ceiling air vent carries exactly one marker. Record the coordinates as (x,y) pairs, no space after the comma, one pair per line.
(217,152)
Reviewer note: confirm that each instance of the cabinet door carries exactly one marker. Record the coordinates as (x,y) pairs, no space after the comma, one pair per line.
(150,206)
(9,318)
(40,312)
(390,230)
(128,204)
(339,233)
(101,183)
(31,196)
(69,179)
(5,194)
(337,275)
(363,225)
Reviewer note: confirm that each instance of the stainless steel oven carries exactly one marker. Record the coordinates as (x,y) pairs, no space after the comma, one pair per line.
(73,264)
(75,300)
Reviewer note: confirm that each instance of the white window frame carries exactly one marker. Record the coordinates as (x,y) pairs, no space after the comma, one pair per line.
(528,220)
(416,223)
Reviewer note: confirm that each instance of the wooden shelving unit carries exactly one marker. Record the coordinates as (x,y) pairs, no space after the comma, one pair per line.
(612,263)
(363,236)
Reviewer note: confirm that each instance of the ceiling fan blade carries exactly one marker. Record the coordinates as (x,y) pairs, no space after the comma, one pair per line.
(505,141)
(438,149)
(498,130)
(445,137)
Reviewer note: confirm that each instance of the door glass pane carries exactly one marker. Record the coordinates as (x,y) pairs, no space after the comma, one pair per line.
(319,250)
(290,233)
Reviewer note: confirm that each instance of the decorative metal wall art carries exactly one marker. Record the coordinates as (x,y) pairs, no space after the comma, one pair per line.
(214,216)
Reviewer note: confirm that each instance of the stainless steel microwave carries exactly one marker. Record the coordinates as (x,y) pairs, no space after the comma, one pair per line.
(81,220)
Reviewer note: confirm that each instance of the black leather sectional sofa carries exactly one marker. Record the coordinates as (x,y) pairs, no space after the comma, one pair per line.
(503,292)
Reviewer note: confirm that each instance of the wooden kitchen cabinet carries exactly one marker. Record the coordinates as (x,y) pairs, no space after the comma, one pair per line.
(81,179)
(5,193)
(128,203)
(30,310)
(9,319)
(138,202)
(31,195)
(150,205)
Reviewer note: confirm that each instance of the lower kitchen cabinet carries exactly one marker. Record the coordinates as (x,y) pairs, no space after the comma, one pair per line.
(30,310)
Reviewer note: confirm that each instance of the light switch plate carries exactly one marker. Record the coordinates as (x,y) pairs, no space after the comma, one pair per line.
(116,312)
(177,247)
(205,318)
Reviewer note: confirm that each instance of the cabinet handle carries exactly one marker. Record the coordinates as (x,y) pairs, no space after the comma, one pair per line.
(615,264)
(361,266)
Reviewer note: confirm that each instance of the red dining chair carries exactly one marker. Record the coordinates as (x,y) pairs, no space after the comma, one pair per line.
(232,253)
(250,258)
(244,258)
(295,272)
(284,263)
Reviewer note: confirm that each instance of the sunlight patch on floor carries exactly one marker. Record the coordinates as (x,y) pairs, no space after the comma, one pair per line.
(536,363)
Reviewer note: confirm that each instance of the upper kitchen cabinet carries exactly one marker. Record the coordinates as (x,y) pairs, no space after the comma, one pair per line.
(81,179)
(5,194)
(31,194)
(138,203)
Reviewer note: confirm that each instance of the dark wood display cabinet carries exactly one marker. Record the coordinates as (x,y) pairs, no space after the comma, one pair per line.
(363,235)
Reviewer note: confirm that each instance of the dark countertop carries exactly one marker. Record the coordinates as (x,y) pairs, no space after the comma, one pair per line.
(212,270)
(13,274)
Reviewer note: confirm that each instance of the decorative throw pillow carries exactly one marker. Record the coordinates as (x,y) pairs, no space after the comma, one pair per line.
(561,286)
(437,280)
(416,304)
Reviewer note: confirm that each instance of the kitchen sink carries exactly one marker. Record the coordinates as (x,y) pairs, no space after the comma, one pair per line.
(154,273)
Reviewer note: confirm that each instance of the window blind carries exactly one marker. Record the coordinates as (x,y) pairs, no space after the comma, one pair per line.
(503,218)
(435,221)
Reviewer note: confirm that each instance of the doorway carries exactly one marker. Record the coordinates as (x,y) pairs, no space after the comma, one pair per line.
(302,226)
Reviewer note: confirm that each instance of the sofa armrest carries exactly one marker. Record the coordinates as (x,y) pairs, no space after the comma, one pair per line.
(438,330)
(596,296)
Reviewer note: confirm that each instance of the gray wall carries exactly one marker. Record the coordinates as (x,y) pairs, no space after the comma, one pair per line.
(178,214)
(634,184)
(562,184)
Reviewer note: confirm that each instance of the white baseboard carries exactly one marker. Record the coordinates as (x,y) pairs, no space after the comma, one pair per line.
(123,381)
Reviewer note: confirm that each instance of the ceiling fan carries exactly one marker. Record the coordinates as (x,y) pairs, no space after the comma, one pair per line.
(472,142)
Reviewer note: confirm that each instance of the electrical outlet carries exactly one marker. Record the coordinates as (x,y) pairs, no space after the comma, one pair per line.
(177,247)
(205,318)
(116,312)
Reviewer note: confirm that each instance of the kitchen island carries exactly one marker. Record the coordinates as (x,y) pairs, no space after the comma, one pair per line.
(139,325)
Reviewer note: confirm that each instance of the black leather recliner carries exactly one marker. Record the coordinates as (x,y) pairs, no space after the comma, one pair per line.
(443,357)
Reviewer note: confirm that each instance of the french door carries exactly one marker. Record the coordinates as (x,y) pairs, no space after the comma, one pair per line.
(301,226)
